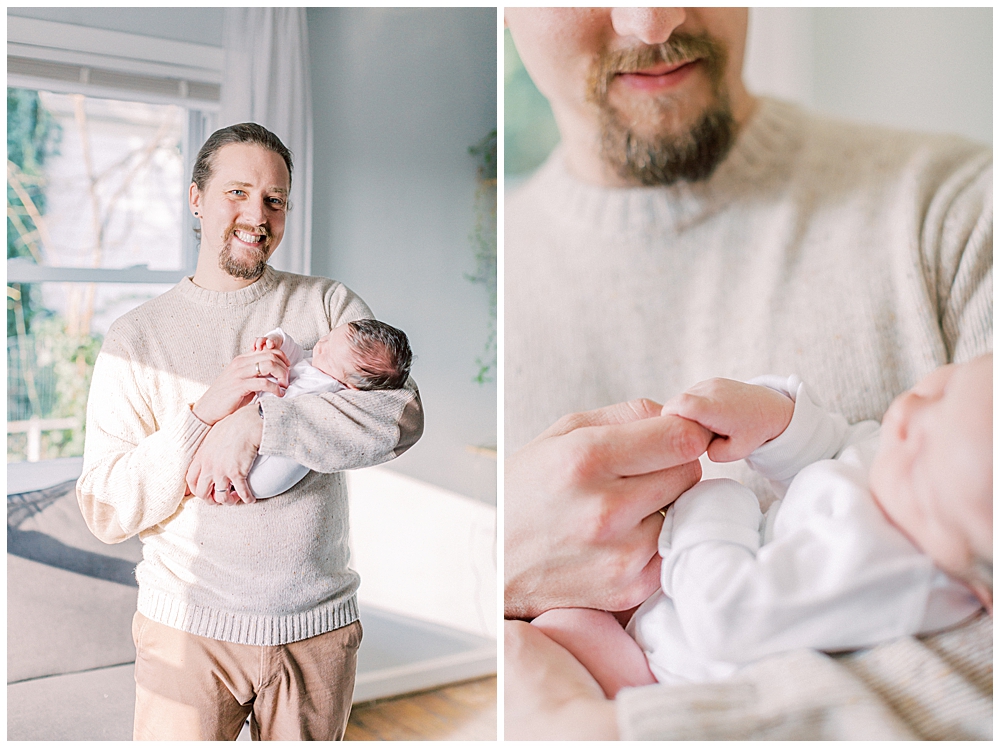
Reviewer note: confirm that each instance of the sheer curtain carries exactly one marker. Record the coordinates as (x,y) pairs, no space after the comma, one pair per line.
(266,80)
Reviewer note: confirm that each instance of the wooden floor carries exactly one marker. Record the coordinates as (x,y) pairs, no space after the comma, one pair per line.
(465,711)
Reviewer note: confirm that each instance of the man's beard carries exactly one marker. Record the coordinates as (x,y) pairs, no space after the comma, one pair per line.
(663,159)
(251,267)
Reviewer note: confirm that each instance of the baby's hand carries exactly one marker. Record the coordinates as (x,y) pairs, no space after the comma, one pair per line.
(743,416)
(268,342)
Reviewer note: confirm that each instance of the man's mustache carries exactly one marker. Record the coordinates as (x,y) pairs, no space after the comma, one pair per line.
(680,47)
(247,229)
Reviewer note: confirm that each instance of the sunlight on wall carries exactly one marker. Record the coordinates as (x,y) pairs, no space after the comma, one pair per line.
(423,551)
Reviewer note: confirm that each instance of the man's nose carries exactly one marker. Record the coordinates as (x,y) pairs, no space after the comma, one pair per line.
(254,211)
(649,25)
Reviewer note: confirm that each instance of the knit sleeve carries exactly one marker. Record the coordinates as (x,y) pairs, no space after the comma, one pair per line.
(329,432)
(957,247)
(134,468)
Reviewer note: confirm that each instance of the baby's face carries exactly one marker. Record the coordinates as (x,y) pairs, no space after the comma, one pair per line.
(334,355)
(933,474)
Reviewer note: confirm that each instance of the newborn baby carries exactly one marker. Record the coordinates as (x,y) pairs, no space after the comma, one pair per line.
(362,355)
(882,532)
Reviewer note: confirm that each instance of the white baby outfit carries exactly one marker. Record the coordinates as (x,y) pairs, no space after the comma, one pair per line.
(822,569)
(274,474)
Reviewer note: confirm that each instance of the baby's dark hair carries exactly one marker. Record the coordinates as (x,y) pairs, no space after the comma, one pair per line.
(383,355)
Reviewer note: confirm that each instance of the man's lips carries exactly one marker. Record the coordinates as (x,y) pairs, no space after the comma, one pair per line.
(248,238)
(660,77)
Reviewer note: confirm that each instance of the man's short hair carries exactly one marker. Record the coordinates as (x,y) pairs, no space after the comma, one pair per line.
(383,355)
(247,132)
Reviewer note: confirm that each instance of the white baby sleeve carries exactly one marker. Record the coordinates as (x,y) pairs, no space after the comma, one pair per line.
(813,434)
(836,577)
(292,350)
(709,533)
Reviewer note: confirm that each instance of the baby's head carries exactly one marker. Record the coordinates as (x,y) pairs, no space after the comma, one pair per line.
(365,355)
(933,474)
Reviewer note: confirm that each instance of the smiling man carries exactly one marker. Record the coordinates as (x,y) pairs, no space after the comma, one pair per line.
(246,608)
(682,230)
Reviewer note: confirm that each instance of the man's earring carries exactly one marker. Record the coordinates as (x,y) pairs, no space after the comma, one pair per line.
(196,212)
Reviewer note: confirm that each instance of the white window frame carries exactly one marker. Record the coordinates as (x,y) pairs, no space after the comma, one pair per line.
(67,58)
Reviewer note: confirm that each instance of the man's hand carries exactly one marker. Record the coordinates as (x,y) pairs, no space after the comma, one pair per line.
(225,457)
(582,507)
(742,416)
(548,695)
(244,377)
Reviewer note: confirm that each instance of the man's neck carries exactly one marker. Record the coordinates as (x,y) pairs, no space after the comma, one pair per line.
(214,278)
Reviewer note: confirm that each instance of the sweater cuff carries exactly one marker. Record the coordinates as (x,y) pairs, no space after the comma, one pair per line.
(811,435)
(188,431)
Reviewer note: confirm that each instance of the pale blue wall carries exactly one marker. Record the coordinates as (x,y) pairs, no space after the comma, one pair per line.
(399,95)
(926,69)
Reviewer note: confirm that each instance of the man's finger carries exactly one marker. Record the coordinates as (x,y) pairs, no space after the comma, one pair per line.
(627,412)
(641,447)
(191,478)
(242,489)
(265,385)
(276,369)
(205,487)
(639,496)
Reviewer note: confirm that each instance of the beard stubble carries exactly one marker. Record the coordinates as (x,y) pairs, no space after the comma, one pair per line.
(664,158)
(250,267)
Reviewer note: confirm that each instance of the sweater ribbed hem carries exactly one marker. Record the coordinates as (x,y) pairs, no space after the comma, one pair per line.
(247,628)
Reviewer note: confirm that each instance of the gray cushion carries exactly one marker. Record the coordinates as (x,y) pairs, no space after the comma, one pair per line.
(70,598)
(95,705)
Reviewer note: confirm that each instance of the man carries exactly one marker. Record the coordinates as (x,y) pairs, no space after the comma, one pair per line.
(682,230)
(246,608)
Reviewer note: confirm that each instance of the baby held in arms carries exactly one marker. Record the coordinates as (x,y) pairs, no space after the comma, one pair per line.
(881,532)
(362,355)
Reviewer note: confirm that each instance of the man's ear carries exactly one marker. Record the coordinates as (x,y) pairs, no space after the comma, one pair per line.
(194,199)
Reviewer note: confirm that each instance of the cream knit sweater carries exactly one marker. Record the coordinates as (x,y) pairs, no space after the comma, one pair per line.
(267,573)
(855,257)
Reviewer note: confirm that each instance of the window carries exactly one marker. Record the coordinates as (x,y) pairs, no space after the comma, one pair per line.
(99,154)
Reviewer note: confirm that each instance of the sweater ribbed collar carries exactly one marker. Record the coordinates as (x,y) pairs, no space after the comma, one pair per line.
(761,155)
(242,297)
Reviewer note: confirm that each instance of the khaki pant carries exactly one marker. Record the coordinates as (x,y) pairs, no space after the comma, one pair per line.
(189,687)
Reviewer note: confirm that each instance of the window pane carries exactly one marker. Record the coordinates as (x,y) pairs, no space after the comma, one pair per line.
(57,332)
(109,190)
(92,183)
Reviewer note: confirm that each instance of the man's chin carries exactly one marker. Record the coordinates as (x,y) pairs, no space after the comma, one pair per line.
(249,266)
(671,146)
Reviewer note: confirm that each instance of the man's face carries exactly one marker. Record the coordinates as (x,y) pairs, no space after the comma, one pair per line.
(242,208)
(656,93)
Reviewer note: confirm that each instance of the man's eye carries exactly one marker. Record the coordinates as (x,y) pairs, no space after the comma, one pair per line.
(277,202)
(237,192)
